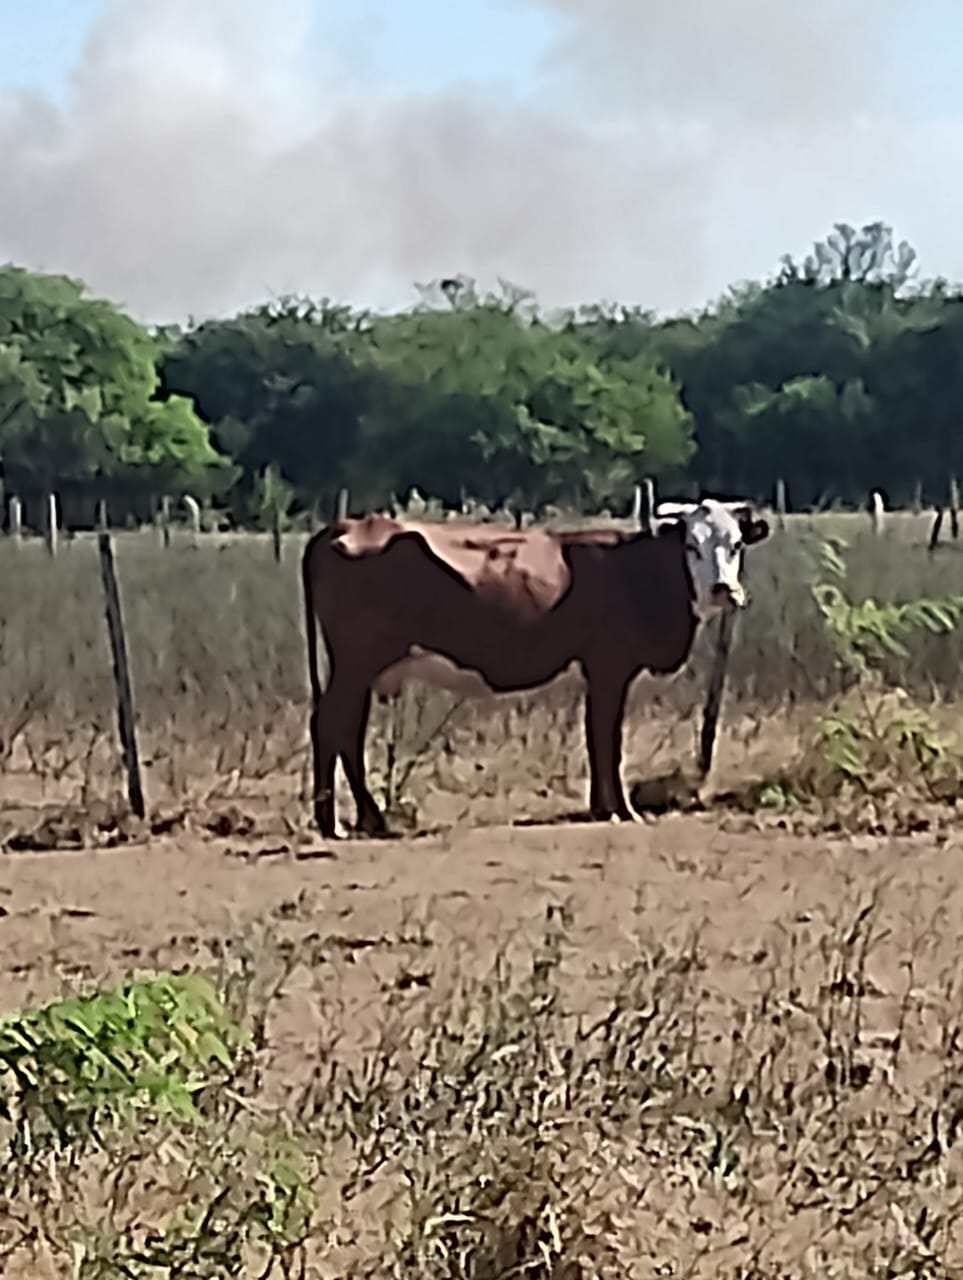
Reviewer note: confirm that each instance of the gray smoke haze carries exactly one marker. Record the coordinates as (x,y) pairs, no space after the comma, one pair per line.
(677,146)
(759,64)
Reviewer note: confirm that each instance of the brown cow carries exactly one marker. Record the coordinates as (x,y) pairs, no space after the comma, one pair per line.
(479,607)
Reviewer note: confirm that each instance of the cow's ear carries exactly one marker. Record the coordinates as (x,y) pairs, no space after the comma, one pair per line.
(754,531)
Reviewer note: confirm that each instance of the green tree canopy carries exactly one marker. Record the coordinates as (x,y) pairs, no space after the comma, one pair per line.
(490,398)
(841,373)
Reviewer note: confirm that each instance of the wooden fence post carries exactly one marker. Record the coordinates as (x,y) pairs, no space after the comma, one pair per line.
(717,683)
(342,507)
(647,504)
(118,648)
(876,511)
(781,503)
(277,531)
(16,520)
(643,504)
(164,521)
(954,508)
(50,529)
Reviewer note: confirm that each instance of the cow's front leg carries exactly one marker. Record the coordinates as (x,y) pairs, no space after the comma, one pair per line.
(604,710)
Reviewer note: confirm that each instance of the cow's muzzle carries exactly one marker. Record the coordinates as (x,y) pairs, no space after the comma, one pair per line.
(725,596)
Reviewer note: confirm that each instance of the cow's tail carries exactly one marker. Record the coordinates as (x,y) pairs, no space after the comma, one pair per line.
(319,656)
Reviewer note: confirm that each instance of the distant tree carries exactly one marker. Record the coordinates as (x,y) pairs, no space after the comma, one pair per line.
(869,256)
(794,378)
(77,379)
(280,386)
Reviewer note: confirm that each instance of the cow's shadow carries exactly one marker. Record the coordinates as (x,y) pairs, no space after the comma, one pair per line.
(570,817)
(673,792)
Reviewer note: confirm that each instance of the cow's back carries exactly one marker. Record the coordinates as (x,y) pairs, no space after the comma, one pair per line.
(518,608)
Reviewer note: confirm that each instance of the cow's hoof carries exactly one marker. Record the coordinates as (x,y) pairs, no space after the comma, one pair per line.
(612,818)
(373,829)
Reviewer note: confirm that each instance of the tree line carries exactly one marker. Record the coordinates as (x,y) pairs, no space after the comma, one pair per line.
(839,374)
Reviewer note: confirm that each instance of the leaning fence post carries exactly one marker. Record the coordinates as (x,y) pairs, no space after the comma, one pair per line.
(954,508)
(717,682)
(118,649)
(194,511)
(50,529)
(342,508)
(935,531)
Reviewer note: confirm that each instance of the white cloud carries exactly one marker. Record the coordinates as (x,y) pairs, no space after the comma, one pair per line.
(203,163)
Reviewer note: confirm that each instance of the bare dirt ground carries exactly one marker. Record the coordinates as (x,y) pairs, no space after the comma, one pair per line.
(387,906)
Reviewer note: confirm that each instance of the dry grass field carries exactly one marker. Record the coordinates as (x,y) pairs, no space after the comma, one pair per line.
(722,1043)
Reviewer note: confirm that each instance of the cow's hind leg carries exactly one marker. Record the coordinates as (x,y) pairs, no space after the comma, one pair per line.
(604,709)
(370,818)
(324,751)
(338,723)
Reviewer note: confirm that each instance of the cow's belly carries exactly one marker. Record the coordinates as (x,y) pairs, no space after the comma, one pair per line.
(438,672)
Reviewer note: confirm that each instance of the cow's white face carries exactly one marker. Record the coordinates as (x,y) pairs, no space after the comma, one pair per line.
(716,535)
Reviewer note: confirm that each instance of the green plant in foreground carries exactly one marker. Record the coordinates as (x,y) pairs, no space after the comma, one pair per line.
(135,1096)
(875,735)
(92,1061)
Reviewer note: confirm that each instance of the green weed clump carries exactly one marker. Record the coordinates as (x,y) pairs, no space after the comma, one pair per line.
(127,1142)
(79,1065)
(874,739)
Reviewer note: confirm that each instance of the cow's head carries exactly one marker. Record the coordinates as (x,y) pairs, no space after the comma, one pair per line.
(716,536)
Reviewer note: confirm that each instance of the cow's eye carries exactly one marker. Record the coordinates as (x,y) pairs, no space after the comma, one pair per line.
(694,548)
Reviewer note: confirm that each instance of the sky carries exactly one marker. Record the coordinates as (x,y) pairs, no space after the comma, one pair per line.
(190,157)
